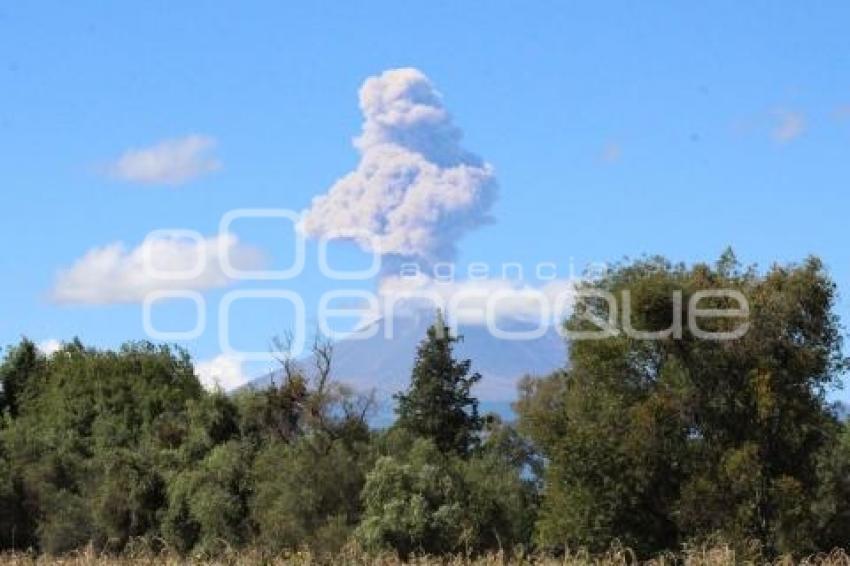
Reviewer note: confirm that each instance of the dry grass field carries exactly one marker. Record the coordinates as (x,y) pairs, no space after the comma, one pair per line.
(719,555)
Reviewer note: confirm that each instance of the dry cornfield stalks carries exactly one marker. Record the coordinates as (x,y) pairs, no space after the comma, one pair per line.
(717,555)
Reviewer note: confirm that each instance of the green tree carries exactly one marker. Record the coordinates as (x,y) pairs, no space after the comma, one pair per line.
(413,502)
(832,504)
(307,492)
(208,502)
(313,454)
(500,501)
(438,404)
(80,447)
(17,530)
(128,497)
(656,442)
(420,499)
(206,474)
(21,363)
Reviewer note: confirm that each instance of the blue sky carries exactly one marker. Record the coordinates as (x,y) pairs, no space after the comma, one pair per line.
(614,130)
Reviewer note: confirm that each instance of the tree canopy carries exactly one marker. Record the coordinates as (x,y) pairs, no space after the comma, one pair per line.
(649,436)
(439,404)
(663,441)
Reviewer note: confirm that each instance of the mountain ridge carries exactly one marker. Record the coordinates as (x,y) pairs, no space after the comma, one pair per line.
(380,357)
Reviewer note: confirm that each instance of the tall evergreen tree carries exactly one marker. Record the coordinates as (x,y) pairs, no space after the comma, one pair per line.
(22,362)
(438,405)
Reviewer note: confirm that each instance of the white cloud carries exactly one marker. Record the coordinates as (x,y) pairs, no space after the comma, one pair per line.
(415,191)
(112,274)
(468,301)
(170,162)
(790,125)
(49,346)
(224,371)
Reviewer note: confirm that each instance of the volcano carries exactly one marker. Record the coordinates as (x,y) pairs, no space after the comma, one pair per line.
(381,355)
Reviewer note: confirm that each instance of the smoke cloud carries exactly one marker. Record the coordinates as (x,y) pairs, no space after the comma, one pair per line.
(415,191)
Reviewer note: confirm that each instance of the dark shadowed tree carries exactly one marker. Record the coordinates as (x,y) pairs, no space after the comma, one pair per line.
(21,364)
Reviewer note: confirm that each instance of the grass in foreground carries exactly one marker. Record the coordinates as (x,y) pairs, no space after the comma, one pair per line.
(701,556)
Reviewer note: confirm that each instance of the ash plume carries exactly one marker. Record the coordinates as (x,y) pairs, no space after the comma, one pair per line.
(415,191)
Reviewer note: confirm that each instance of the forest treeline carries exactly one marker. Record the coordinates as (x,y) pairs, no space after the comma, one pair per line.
(652,443)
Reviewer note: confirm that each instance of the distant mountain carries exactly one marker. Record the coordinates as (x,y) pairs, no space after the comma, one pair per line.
(381,356)
(385,363)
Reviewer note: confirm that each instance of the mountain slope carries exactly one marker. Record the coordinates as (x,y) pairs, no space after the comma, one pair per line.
(381,356)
